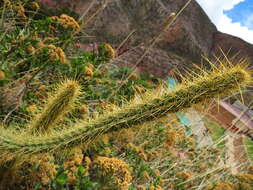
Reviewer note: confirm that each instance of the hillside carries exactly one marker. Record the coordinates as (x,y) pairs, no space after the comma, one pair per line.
(190,38)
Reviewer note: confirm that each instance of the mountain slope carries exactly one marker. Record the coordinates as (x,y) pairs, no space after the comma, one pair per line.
(192,36)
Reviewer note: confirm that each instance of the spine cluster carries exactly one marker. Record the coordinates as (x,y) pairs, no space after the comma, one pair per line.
(220,81)
(57,107)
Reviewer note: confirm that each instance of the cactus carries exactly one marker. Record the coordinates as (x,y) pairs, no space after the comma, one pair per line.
(220,81)
(58,105)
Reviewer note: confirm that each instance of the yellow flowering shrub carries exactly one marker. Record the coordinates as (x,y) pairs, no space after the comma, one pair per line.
(67,22)
(72,163)
(57,54)
(43,170)
(113,171)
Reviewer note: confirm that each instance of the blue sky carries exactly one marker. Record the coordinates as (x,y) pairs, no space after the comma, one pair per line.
(231,16)
(243,13)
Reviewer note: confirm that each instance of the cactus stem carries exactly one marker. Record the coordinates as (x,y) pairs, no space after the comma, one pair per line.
(219,81)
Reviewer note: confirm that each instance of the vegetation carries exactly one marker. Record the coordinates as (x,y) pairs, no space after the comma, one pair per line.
(72,120)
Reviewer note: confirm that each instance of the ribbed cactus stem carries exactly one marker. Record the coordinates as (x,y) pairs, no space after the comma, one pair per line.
(220,81)
(57,106)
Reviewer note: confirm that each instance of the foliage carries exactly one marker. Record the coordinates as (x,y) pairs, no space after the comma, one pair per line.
(119,134)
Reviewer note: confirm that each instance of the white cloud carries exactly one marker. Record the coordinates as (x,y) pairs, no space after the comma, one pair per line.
(215,8)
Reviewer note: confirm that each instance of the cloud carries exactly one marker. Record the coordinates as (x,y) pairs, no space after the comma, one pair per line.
(249,21)
(215,8)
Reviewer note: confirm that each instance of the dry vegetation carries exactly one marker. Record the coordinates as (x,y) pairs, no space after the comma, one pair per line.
(72,120)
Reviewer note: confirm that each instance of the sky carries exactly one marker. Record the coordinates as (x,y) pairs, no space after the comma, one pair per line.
(234,17)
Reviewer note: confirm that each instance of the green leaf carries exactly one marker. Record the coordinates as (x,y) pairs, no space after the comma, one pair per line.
(62,178)
(80,171)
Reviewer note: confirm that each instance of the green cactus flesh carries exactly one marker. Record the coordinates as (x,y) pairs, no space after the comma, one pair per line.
(58,105)
(221,81)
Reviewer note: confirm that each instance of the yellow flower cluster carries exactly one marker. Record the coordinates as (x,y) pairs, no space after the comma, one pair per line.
(171,137)
(45,171)
(145,176)
(41,92)
(35,6)
(250,170)
(56,53)
(246,178)
(7,3)
(71,165)
(139,88)
(42,87)
(30,49)
(243,186)
(87,163)
(107,105)
(111,52)
(31,109)
(2,75)
(117,169)
(67,22)
(40,44)
(49,39)
(123,137)
(190,141)
(223,186)
(139,150)
(84,109)
(20,11)
(158,187)
(88,71)
(184,175)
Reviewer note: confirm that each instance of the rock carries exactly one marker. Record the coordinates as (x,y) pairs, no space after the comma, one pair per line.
(160,62)
(147,17)
(11,96)
(232,46)
(192,36)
